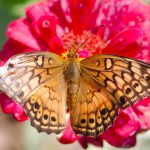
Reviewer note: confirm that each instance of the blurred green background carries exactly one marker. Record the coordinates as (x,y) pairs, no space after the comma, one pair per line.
(10,10)
(21,136)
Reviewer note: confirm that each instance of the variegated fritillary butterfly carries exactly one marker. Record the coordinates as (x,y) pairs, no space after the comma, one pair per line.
(94,89)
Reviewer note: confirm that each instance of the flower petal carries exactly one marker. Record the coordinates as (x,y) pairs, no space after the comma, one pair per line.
(47,27)
(84,141)
(34,12)
(80,15)
(19,114)
(144,54)
(123,132)
(67,136)
(127,123)
(6,103)
(116,140)
(11,107)
(119,14)
(142,110)
(61,10)
(83,53)
(12,47)
(122,42)
(20,30)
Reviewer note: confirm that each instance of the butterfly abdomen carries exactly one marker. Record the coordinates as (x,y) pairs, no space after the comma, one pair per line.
(72,77)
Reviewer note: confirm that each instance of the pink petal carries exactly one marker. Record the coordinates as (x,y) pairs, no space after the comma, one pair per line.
(142,110)
(12,47)
(83,53)
(80,15)
(11,107)
(84,141)
(47,28)
(116,140)
(20,30)
(122,42)
(2,63)
(56,45)
(123,132)
(119,14)
(35,11)
(60,9)
(144,54)
(19,114)
(6,103)
(68,136)
(126,124)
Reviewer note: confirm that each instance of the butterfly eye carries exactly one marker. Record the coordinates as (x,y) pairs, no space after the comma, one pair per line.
(72,52)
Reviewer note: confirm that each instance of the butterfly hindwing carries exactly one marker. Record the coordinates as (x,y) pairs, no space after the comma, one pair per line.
(95,109)
(46,106)
(33,79)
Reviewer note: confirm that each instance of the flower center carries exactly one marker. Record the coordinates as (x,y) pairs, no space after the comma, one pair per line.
(86,41)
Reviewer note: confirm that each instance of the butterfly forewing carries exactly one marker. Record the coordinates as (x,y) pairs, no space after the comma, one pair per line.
(37,76)
(37,59)
(127,80)
(27,72)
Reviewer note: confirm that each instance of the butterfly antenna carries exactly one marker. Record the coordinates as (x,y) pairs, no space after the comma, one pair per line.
(73,49)
(93,32)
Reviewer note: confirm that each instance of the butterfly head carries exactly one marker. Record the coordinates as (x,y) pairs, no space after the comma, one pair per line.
(72,53)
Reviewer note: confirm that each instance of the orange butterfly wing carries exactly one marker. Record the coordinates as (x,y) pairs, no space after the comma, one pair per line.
(107,83)
(33,79)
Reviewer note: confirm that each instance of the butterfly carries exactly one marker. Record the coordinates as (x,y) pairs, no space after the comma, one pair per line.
(93,89)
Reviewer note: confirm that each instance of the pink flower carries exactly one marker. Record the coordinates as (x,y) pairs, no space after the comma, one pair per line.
(53,25)
(10,107)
